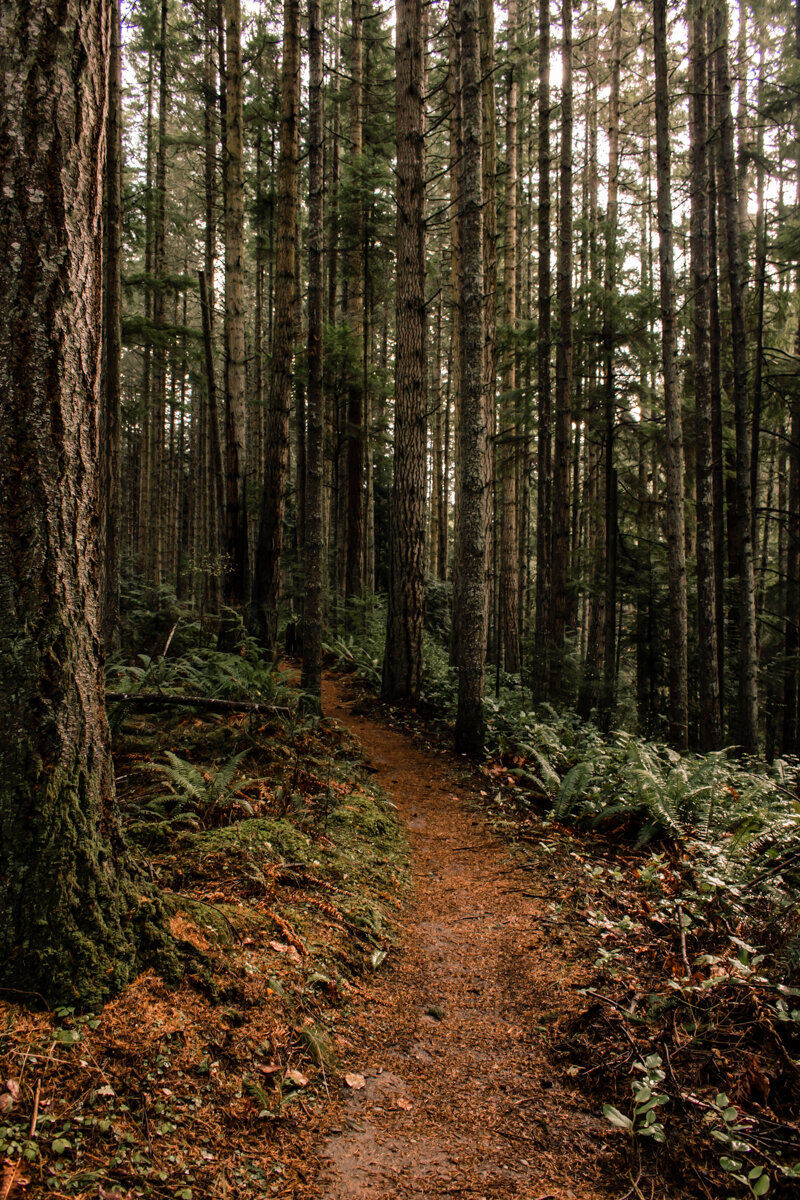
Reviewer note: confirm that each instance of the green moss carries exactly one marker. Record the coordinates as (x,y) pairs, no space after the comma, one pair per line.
(260,836)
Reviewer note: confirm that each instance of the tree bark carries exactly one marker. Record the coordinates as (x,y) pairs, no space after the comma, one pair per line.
(563,405)
(67,908)
(473,464)
(748,652)
(110,508)
(267,574)
(313,546)
(402,660)
(544,458)
(508,432)
(676,533)
(237,566)
(710,731)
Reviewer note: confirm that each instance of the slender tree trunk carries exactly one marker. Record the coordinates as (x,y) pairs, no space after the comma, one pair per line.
(676,533)
(708,632)
(154,555)
(110,508)
(563,421)
(354,549)
(508,432)
(544,513)
(473,464)
(748,653)
(402,661)
(609,377)
(237,567)
(145,466)
(313,546)
(267,578)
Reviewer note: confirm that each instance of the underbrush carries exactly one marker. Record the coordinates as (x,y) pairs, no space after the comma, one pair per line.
(280,867)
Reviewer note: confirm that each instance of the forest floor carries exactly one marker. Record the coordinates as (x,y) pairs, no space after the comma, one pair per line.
(451,1089)
(403,980)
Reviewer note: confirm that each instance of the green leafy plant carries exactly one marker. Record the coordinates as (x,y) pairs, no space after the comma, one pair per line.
(197,799)
(732,1133)
(647,1099)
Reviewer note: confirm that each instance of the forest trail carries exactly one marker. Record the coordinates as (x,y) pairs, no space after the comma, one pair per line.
(460,1098)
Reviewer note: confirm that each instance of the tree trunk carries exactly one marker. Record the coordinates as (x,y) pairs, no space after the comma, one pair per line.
(748,653)
(609,379)
(544,458)
(313,545)
(237,567)
(473,464)
(110,508)
(66,906)
(267,578)
(508,432)
(154,555)
(676,533)
(707,630)
(402,661)
(354,549)
(563,420)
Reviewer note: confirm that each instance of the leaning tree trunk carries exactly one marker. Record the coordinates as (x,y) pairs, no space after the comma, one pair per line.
(473,463)
(676,533)
(66,906)
(402,661)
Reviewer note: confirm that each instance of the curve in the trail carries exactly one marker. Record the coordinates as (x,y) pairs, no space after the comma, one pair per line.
(459,1098)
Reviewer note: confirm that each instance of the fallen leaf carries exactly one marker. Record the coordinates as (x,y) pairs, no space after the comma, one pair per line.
(296,1077)
(6,1102)
(13,1088)
(406,1105)
(10,1179)
(356,1082)
(280,947)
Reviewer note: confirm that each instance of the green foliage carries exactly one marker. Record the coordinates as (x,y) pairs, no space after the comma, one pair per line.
(196,799)
(647,1100)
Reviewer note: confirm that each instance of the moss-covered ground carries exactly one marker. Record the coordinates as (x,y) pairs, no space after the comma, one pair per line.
(281,868)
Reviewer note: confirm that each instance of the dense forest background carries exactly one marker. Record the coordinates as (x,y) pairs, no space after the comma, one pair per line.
(603,199)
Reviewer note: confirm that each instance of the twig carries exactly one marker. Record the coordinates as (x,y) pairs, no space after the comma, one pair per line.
(161,700)
(682,934)
(35,1116)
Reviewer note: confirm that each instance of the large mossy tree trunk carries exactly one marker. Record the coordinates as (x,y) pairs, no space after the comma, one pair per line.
(67,908)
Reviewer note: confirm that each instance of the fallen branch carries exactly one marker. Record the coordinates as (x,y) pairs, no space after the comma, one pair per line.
(162,700)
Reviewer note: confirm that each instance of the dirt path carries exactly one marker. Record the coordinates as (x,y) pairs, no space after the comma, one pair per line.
(459,1096)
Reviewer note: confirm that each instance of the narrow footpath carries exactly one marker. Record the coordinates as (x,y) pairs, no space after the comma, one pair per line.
(459,1096)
